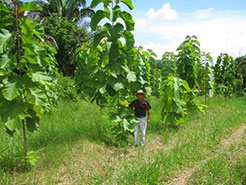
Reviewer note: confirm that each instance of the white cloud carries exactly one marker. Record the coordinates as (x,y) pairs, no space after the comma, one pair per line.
(160,48)
(218,32)
(215,36)
(164,13)
(141,24)
(203,14)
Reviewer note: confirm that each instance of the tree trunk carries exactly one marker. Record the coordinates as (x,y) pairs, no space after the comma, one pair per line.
(24,137)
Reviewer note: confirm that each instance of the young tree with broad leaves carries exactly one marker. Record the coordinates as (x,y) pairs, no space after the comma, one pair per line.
(111,69)
(27,69)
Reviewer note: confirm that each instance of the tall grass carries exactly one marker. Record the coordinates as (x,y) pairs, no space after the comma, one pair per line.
(63,125)
(195,138)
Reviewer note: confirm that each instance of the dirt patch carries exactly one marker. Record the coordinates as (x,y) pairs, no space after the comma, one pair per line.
(233,139)
(90,162)
(94,159)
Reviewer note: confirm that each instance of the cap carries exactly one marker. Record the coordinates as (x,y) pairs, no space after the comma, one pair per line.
(140,92)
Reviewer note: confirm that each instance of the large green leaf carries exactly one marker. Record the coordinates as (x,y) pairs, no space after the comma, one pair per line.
(131,76)
(38,30)
(127,125)
(128,3)
(4,61)
(129,39)
(111,32)
(115,67)
(5,8)
(40,77)
(5,40)
(31,124)
(29,6)
(132,119)
(39,96)
(148,90)
(118,86)
(113,50)
(12,124)
(94,3)
(96,18)
(98,37)
(11,112)
(119,29)
(11,88)
(115,13)
(128,20)
(116,118)
(28,27)
(35,113)
(7,65)
(2,73)
(5,21)
(186,85)
(110,91)
(114,32)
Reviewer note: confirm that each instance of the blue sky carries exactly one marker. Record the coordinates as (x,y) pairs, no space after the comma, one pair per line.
(162,25)
(192,5)
(220,25)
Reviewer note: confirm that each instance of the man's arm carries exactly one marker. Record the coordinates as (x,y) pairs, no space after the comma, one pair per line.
(148,116)
(148,107)
(126,106)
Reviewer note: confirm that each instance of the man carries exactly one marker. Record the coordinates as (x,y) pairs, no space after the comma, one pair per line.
(141,106)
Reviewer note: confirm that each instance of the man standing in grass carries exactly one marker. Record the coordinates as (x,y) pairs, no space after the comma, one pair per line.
(141,106)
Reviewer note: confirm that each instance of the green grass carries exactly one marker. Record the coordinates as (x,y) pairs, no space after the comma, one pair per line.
(196,138)
(228,168)
(73,132)
(68,122)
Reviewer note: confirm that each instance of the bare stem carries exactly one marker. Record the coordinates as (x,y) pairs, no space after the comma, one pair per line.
(24,137)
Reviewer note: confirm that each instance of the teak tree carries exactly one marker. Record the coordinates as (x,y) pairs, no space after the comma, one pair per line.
(111,69)
(27,66)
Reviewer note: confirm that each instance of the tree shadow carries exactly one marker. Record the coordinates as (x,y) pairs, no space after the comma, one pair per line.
(160,127)
(14,164)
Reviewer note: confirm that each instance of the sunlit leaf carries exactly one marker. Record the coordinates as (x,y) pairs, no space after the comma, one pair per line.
(11,88)
(118,86)
(39,96)
(94,3)
(5,40)
(131,76)
(128,3)
(128,20)
(29,6)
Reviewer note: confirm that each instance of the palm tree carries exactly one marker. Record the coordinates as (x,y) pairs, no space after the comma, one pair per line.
(73,10)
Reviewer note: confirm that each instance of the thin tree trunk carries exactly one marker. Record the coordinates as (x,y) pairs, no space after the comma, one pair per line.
(24,137)
(118,108)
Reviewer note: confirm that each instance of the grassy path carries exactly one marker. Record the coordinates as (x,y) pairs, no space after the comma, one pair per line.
(72,153)
(233,139)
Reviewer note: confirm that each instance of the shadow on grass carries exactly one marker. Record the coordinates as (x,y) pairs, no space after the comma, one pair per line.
(159,127)
(12,164)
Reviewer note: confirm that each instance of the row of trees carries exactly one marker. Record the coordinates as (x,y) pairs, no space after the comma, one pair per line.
(37,43)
